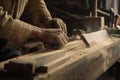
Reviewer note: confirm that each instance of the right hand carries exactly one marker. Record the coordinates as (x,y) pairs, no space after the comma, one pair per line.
(56,23)
(54,37)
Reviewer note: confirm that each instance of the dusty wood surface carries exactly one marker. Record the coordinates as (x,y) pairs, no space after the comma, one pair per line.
(79,62)
(48,65)
(97,37)
(87,64)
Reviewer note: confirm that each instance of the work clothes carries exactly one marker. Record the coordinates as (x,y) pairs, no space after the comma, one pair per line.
(16,27)
(16,31)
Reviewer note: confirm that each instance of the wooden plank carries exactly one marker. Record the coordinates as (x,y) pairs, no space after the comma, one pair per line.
(88,63)
(97,37)
(85,63)
(39,59)
(36,54)
(94,8)
(56,63)
(53,64)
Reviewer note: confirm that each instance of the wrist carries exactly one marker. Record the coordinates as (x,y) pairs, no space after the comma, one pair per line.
(46,21)
(36,34)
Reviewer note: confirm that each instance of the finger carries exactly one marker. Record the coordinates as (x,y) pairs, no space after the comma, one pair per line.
(63,38)
(57,39)
(52,30)
(62,25)
(58,33)
(65,28)
(60,42)
(66,37)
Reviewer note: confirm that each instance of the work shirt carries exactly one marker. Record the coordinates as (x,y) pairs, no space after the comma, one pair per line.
(15,30)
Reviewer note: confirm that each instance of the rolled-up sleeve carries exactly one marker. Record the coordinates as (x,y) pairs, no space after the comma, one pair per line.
(15,31)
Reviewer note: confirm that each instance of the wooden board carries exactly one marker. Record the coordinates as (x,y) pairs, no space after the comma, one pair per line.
(39,59)
(79,62)
(87,64)
(97,37)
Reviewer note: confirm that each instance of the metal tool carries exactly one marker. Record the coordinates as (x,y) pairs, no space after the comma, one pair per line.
(78,31)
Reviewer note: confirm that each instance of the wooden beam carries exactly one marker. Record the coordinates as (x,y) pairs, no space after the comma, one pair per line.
(78,61)
(88,63)
(94,8)
(38,59)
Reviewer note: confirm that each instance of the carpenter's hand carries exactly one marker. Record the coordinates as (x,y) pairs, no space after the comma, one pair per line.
(56,23)
(55,38)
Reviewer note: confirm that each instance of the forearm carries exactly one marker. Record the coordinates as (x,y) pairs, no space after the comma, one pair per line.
(13,30)
(18,32)
(38,11)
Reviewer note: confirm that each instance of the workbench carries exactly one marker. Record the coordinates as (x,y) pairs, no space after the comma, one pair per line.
(73,62)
